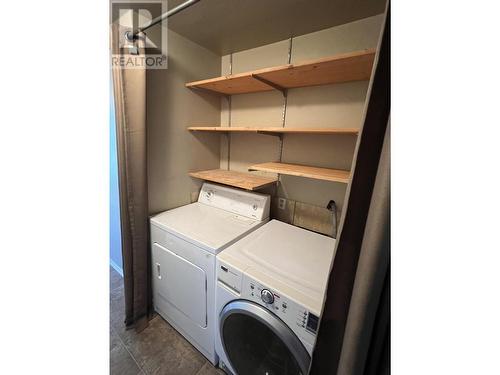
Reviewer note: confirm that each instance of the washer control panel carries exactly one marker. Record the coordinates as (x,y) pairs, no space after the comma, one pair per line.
(300,320)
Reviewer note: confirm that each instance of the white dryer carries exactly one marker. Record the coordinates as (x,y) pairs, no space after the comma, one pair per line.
(184,243)
(270,291)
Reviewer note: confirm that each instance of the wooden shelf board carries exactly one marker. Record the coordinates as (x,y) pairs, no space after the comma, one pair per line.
(246,181)
(225,129)
(352,66)
(230,85)
(327,174)
(302,130)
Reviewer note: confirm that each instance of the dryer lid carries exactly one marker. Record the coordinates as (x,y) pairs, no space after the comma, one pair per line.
(210,228)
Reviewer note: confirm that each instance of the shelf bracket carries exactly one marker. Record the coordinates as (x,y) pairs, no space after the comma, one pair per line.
(274,134)
(202,89)
(283,90)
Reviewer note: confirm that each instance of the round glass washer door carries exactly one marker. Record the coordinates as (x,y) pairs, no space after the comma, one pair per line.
(257,342)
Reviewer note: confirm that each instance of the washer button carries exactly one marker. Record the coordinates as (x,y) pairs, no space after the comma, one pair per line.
(267,296)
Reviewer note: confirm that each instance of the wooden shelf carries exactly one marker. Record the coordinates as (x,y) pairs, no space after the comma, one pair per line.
(246,181)
(327,174)
(353,66)
(274,130)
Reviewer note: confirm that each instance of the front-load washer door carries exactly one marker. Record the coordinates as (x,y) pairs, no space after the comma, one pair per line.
(181,284)
(256,341)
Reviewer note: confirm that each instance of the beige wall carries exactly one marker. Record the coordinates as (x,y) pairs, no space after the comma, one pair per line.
(171,108)
(323,106)
(173,151)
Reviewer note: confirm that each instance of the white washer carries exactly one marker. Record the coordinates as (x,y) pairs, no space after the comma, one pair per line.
(184,243)
(270,291)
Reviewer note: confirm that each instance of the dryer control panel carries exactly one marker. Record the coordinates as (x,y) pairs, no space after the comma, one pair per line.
(240,202)
(299,319)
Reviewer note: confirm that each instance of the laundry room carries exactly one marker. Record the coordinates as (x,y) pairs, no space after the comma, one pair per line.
(235,163)
(249,187)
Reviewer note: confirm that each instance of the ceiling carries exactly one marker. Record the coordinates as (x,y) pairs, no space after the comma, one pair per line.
(226,26)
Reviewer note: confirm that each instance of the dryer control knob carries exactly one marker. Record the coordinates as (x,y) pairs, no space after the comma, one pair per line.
(267,296)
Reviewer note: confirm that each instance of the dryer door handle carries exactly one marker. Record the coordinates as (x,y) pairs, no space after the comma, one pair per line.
(158,271)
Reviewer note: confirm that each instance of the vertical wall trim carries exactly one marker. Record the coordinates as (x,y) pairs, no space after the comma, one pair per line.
(283,116)
(285,102)
(285,96)
(229,108)
(290,50)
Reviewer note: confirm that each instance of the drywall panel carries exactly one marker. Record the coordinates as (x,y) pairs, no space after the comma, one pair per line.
(344,38)
(171,108)
(312,192)
(262,148)
(243,108)
(275,53)
(327,151)
(339,105)
(269,103)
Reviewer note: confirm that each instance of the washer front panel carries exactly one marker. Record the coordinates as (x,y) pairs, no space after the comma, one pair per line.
(302,322)
(256,341)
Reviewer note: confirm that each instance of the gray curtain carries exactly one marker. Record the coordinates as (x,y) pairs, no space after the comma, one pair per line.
(129,89)
(353,336)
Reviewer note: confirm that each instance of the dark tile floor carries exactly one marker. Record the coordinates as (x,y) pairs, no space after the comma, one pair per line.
(159,349)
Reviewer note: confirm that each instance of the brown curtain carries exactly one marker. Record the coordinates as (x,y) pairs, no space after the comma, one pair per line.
(353,336)
(129,89)
(367,325)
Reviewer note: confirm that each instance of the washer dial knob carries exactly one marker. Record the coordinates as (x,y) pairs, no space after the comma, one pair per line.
(267,296)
